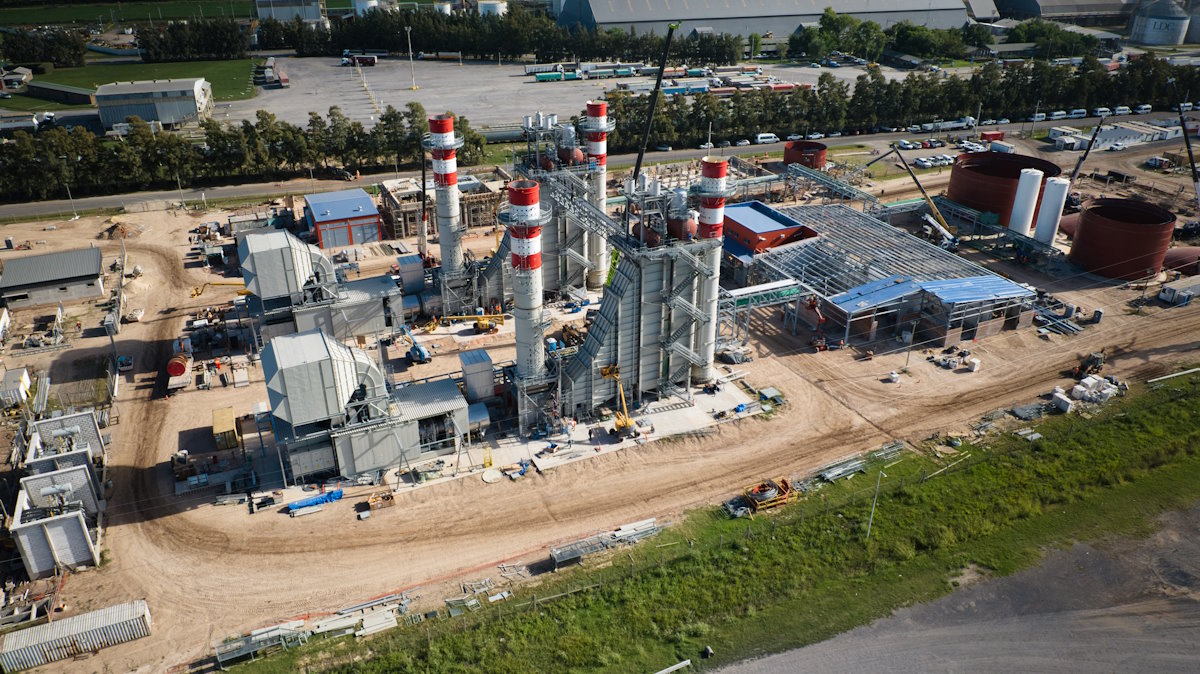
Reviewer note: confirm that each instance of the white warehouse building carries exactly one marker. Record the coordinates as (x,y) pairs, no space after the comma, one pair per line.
(168,102)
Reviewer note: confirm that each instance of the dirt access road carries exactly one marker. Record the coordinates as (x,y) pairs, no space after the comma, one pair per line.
(1126,605)
(209,572)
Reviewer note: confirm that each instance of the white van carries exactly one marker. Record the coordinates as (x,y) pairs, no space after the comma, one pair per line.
(1121,110)
(1058,114)
(1101,112)
(1077,113)
(1185,107)
(1142,109)
(765,138)
(1039,117)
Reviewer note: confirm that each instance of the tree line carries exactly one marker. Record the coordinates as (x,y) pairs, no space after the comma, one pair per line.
(211,39)
(874,103)
(517,33)
(60,46)
(41,166)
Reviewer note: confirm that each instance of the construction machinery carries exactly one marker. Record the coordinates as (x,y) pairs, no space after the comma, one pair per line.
(1092,363)
(572,335)
(949,241)
(484,323)
(199,290)
(380,499)
(623,426)
(1187,145)
(416,354)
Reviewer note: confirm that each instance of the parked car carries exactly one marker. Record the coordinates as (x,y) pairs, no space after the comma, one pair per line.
(988,122)
(742,142)
(1122,110)
(706,146)
(663,147)
(814,65)
(834,134)
(723,143)
(1101,112)
(815,136)
(914,128)
(795,136)
(5,95)
(766,138)
(1117,147)
(1003,120)
(1142,109)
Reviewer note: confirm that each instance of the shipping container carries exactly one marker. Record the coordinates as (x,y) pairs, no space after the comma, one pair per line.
(988,136)
(548,77)
(225,430)
(75,636)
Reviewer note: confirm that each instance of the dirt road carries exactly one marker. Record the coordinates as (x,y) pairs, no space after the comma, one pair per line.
(1132,605)
(209,571)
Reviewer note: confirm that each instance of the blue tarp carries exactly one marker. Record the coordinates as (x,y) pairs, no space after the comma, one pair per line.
(975,289)
(327,497)
(875,293)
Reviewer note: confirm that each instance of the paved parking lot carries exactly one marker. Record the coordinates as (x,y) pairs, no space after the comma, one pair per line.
(486,94)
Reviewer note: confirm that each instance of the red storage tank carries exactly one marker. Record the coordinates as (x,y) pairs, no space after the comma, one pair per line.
(178,365)
(1069,225)
(987,181)
(1184,259)
(1122,238)
(806,153)
(570,155)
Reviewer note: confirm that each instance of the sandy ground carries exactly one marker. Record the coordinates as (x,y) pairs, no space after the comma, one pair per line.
(1126,605)
(209,572)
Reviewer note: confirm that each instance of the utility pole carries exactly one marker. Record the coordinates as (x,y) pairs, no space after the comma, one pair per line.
(411,68)
(876,500)
(912,338)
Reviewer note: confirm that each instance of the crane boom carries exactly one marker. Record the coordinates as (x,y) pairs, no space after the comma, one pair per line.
(1086,151)
(1187,144)
(662,67)
(944,227)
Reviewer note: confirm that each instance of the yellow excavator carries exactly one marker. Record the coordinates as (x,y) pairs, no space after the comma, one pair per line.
(199,290)
(624,425)
(484,323)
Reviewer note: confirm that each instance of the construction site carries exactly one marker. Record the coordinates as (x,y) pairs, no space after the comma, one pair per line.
(319,404)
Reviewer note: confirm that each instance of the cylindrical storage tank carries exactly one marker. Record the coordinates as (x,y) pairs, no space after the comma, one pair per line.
(1054,197)
(683,227)
(570,155)
(806,153)
(649,236)
(496,7)
(1069,225)
(178,365)
(1184,259)
(1025,202)
(987,181)
(1122,238)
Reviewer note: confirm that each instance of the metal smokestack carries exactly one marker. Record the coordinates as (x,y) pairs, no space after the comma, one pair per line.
(442,142)
(595,128)
(712,191)
(524,219)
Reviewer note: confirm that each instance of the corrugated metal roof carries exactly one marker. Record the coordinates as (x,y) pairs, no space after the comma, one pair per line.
(759,217)
(421,401)
(474,357)
(874,294)
(975,289)
(55,86)
(610,11)
(341,205)
(983,9)
(75,625)
(50,267)
(147,86)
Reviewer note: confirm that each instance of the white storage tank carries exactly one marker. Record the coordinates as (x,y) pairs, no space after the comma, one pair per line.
(493,7)
(1054,197)
(1025,201)
(478,374)
(1159,22)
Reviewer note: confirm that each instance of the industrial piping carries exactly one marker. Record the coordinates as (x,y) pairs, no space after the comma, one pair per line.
(442,142)
(712,191)
(524,219)
(595,127)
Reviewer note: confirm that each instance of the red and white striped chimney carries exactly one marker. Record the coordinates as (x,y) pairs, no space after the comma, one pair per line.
(442,143)
(524,219)
(711,191)
(595,128)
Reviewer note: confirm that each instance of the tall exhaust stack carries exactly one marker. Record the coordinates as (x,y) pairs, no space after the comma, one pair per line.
(442,142)
(712,191)
(524,219)
(595,128)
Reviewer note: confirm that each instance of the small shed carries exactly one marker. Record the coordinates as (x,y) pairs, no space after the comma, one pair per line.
(225,430)
(14,387)
(477,374)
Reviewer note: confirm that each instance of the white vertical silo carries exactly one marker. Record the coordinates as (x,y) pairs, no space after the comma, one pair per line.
(1054,197)
(1025,202)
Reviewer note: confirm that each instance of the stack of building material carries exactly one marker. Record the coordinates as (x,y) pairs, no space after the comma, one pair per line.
(1095,389)
(377,621)
(632,533)
(337,626)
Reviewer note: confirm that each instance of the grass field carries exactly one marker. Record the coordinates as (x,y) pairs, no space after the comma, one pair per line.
(752,587)
(29,103)
(125,12)
(231,80)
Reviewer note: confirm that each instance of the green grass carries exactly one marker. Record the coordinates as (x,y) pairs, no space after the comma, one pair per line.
(805,574)
(231,80)
(123,12)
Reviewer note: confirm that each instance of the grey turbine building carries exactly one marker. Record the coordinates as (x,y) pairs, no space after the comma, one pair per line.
(743,17)
(1089,12)
(52,277)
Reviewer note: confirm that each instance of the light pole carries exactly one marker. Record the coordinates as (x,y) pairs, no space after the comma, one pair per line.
(873,502)
(912,338)
(67,184)
(411,68)
(179,184)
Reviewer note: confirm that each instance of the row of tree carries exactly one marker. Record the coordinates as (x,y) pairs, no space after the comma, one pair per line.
(42,166)
(866,39)
(60,46)
(874,102)
(211,39)
(517,33)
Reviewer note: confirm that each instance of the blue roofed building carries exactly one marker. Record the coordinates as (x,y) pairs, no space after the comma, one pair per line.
(345,218)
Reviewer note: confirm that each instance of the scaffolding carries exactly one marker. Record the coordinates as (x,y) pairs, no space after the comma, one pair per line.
(805,178)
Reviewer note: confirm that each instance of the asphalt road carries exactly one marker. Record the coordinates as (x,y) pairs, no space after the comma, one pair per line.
(63,207)
(1129,606)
